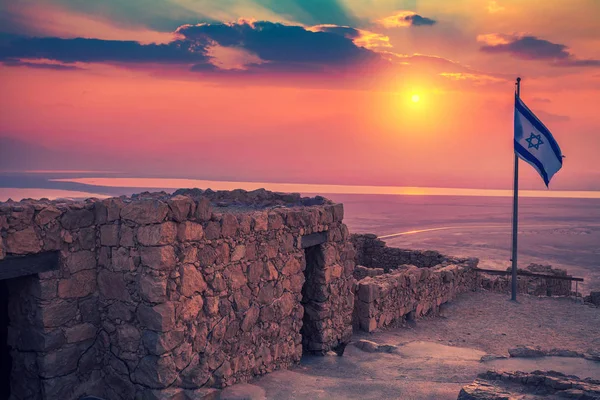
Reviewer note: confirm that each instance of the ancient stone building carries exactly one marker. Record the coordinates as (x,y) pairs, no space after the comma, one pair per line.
(125,297)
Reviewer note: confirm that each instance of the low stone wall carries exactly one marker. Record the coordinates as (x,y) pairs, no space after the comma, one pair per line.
(408,293)
(181,292)
(536,286)
(372,252)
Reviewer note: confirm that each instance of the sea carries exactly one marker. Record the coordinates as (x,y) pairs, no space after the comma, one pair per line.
(558,228)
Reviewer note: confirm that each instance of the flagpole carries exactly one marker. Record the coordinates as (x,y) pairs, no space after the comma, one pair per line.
(515,213)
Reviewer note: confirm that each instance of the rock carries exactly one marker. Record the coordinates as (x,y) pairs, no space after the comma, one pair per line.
(112,285)
(250,318)
(60,362)
(291,267)
(109,235)
(23,242)
(159,258)
(190,308)
(145,212)
(58,313)
(158,318)
(158,234)
(77,285)
(526,352)
(121,260)
(203,211)
(192,281)
(243,391)
(491,357)
(367,345)
(159,343)
(80,333)
(128,338)
(47,214)
(260,222)
(181,207)
(153,288)
(238,252)
(213,230)
(155,372)
(80,260)
(73,219)
(190,232)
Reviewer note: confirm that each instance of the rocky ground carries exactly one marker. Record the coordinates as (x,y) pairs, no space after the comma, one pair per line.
(438,356)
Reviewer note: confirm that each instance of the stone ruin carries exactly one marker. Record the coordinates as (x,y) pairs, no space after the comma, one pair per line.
(185,291)
(159,296)
(536,286)
(395,285)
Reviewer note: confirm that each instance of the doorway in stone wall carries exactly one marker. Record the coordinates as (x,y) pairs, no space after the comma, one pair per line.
(313,296)
(5,360)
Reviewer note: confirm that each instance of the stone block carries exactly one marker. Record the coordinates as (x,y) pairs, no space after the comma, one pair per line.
(213,230)
(121,260)
(192,280)
(229,225)
(85,238)
(338,212)
(159,258)
(190,232)
(23,242)
(121,311)
(155,372)
(207,256)
(239,252)
(368,292)
(159,343)
(275,221)
(153,288)
(157,234)
(109,235)
(77,218)
(157,318)
(181,207)
(260,221)
(191,308)
(112,285)
(47,214)
(59,362)
(145,212)
(203,211)
(80,333)
(58,313)
(126,236)
(292,267)
(128,338)
(77,285)
(80,260)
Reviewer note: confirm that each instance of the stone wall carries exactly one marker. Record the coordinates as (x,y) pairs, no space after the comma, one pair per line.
(155,291)
(536,286)
(408,293)
(397,284)
(372,252)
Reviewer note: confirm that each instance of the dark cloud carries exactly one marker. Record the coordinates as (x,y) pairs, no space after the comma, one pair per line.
(56,67)
(273,47)
(417,20)
(312,12)
(533,48)
(278,43)
(530,48)
(406,19)
(96,50)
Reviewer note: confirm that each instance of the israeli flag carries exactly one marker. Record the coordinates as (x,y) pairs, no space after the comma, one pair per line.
(534,143)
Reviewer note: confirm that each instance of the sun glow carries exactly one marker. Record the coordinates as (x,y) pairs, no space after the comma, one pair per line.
(415,98)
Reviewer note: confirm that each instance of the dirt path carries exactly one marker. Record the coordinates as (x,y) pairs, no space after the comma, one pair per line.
(438,356)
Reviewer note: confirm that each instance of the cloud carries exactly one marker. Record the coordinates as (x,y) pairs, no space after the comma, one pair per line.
(550,117)
(405,19)
(359,37)
(258,45)
(279,43)
(40,65)
(529,47)
(96,50)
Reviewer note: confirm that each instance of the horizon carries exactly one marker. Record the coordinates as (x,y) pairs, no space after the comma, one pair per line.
(398,93)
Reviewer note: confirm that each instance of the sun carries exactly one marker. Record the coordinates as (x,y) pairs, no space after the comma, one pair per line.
(415,98)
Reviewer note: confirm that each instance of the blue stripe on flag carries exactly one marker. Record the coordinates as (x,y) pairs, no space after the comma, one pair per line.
(525,155)
(528,114)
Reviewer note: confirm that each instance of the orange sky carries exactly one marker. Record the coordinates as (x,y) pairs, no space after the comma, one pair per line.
(307,101)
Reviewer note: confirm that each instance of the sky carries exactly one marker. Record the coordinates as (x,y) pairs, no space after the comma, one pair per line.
(299,91)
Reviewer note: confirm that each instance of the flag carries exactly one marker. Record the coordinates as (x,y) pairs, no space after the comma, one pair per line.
(535,144)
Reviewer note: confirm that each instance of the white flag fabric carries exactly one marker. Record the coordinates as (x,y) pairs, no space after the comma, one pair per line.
(535,144)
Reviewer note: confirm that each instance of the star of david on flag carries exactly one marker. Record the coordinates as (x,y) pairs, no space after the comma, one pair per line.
(535,144)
